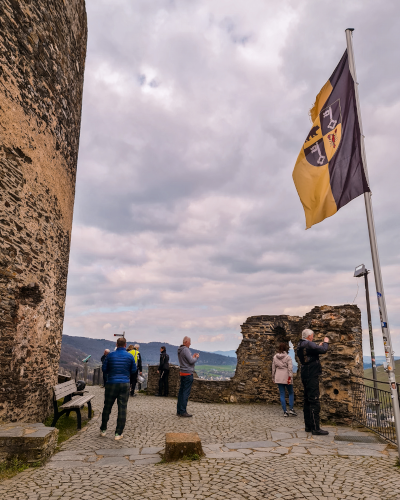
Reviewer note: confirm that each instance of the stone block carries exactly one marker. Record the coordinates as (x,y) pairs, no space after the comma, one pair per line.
(180,444)
(28,442)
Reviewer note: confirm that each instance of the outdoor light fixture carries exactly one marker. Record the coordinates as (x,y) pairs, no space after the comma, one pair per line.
(360,271)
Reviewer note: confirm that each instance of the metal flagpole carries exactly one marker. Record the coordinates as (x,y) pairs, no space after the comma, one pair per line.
(375,257)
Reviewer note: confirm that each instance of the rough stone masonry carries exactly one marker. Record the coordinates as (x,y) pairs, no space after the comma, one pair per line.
(42,60)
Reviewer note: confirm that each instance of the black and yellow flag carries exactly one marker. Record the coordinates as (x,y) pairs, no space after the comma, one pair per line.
(329,170)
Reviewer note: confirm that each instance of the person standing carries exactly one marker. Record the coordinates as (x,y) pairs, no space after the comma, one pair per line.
(106,351)
(308,353)
(118,365)
(186,369)
(282,374)
(138,361)
(163,371)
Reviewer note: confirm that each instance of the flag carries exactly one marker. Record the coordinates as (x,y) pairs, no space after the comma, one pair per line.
(329,170)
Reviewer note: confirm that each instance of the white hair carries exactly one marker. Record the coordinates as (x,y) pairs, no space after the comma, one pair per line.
(136,346)
(107,350)
(306,333)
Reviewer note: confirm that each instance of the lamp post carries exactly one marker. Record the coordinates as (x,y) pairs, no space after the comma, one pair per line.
(362,271)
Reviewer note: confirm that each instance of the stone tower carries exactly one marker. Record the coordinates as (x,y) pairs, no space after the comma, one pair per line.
(42,61)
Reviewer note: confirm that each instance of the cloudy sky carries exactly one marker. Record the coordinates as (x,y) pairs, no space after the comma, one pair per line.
(186,217)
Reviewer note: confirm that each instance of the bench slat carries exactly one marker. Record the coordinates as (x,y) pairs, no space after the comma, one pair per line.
(64,389)
(77,402)
(64,384)
(65,392)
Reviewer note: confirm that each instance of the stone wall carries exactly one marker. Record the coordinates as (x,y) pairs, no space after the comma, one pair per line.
(42,60)
(253,382)
(173,380)
(204,391)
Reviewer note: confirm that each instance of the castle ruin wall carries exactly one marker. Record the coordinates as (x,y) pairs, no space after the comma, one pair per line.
(252,382)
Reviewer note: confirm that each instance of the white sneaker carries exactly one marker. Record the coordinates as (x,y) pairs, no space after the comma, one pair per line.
(285,414)
(103,433)
(118,437)
(293,413)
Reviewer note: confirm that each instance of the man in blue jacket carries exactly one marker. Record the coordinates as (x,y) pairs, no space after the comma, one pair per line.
(118,366)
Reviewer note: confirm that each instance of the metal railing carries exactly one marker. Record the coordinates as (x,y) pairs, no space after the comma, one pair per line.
(94,376)
(373,408)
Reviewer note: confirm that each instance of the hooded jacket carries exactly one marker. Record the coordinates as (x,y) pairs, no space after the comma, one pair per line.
(119,365)
(186,360)
(282,368)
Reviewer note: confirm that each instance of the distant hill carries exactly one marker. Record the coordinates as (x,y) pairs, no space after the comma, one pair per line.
(379,360)
(74,349)
(71,357)
(381,374)
(230,354)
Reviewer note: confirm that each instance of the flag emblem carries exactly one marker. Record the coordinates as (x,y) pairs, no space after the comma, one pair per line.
(329,171)
(324,137)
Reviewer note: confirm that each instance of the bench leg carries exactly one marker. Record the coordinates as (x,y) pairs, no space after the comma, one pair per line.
(89,409)
(57,416)
(56,413)
(78,416)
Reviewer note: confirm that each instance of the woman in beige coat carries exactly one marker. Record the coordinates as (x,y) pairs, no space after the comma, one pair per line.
(282,374)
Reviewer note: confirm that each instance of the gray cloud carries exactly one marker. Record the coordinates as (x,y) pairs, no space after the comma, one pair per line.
(186,217)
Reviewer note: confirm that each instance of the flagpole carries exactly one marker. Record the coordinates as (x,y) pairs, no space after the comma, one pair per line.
(387,341)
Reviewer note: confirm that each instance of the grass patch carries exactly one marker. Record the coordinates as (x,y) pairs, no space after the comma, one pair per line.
(10,468)
(67,425)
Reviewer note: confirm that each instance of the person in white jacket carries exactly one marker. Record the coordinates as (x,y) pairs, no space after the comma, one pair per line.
(282,374)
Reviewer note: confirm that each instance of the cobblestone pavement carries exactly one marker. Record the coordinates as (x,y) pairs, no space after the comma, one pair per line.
(251,451)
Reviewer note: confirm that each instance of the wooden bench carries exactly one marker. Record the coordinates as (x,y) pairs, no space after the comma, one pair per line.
(74,400)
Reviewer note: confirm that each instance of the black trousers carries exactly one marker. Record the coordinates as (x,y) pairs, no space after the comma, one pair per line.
(134,381)
(163,383)
(310,378)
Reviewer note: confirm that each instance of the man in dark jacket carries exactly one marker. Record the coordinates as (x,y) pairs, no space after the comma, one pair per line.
(187,360)
(102,361)
(118,365)
(163,370)
(308,353)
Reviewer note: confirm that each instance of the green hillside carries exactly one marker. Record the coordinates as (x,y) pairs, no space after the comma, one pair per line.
(382,375)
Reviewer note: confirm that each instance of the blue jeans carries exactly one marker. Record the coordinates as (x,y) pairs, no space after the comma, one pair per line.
(282,395)
(184,393)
